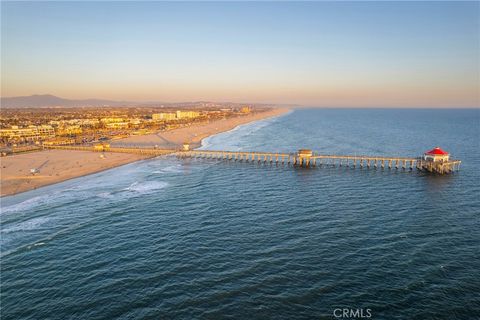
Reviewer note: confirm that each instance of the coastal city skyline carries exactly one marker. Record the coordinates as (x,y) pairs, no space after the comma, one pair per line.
(321,54)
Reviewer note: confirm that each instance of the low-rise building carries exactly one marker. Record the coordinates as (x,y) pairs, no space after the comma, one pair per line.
(29,133)
(117,125)
(111,120)
(18,133)
(245,109)
(187,114)
(135,121)
(45,131)
(164,116)
(89,122)
(70,130)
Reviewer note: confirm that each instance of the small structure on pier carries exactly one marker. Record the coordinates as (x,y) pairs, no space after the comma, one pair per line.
(436,155)
(438,161)
(304,156)
(186,146)
(305,153)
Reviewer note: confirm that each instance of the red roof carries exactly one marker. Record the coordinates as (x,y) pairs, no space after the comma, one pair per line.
(437,151)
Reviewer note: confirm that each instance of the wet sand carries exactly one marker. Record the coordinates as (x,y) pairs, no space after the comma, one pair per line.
(60,165)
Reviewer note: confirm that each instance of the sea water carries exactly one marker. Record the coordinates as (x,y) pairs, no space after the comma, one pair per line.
(168,238)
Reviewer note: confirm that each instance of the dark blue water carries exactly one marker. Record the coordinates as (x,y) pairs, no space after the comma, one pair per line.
(197,239)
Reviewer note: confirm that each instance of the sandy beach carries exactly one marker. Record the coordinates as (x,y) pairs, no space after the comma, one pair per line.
(55,166)
(60,165)
(194,133)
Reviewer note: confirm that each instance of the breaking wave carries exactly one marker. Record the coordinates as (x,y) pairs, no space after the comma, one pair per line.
(169,169)
(146,187)
(27,225)
(29,203)
(232,138)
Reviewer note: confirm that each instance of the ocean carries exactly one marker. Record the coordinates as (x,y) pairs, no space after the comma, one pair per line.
(168,238)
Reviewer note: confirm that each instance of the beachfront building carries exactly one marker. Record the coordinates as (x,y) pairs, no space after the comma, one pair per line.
(85,122)
(436,155)
(187,114)
(69,130)
(45,131)
(171,116)
(135,121)
(80,122)
(29,133)
(17,133)
(245,109)
(164,116)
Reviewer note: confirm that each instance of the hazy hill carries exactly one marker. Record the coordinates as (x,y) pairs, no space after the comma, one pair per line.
(48,100)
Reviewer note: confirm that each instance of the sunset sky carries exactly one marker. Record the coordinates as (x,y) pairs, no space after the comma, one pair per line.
(349,54)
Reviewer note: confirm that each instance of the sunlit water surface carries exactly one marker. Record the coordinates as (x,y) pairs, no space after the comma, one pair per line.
(184,239)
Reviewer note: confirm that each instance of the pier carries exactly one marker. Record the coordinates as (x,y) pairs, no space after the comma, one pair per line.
(153,152)
(434,161)
(306,158)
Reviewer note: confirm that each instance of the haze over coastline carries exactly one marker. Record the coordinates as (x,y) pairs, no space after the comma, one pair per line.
(321,54)
(48,100)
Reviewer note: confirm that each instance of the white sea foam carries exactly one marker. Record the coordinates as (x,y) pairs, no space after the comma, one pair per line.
(232,139)
(146,187)
(27,225)
(35,245)
(205,143)
(29,203)
(105,195)
(169,169)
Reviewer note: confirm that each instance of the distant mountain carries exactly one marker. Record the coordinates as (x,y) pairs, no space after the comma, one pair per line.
(48,100)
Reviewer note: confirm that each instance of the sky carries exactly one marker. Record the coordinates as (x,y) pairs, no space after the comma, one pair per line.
(325,54)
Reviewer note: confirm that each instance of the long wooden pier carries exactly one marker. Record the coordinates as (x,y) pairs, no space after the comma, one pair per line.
(305,160)
(302,158)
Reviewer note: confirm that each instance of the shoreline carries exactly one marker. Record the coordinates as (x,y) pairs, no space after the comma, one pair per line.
(195,133)
(285,112)
(61,165)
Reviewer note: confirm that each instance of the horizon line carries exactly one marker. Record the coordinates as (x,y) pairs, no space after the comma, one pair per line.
(290,105)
